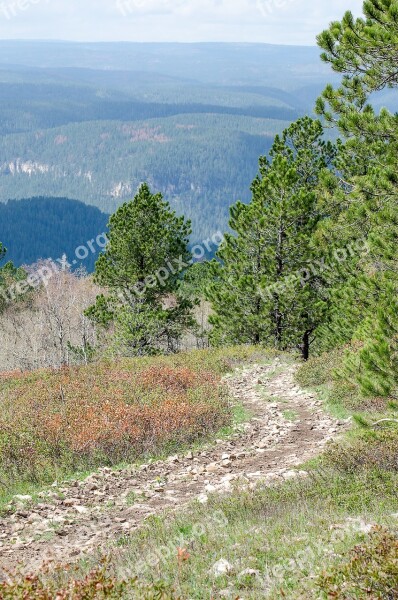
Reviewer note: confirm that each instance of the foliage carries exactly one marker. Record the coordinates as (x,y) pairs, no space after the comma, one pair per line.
(371,570)
(363,201)
(319,369)
(265,291)
(10,277)
(96,585)
(141,267)
(54,423)
(371,450)
(103,414)
(378,359)
(197,279)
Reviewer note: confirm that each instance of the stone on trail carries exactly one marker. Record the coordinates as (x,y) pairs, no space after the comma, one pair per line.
(221,567)
(22,498)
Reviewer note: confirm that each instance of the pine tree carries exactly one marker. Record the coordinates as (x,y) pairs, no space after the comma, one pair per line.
(373,367)
(11,280)
(365,51)
(265,291)
(141,268)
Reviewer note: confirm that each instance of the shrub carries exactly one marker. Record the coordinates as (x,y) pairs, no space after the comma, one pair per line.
(370,572)
(319,370)
(78,418)
(175,380)
(343,391)
(372,451)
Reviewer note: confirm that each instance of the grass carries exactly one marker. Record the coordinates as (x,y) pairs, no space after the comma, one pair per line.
(304,539)
(278,541)
(290,415)
(61,425)
(284,534)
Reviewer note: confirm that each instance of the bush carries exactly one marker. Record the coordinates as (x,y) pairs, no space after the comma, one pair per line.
(52,422)
(319,369)
(371,571)
(371,451)
(343,391)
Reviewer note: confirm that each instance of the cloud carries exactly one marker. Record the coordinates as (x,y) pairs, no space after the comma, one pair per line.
(268,21)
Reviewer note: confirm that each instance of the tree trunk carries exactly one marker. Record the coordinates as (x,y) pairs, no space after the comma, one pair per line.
(305,349)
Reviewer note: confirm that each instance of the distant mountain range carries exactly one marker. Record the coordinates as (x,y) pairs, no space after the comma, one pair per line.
(92,121)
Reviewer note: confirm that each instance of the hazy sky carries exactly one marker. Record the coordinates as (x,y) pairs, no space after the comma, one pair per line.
(268,21)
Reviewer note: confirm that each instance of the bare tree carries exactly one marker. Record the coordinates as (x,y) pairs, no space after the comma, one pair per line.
(50,328)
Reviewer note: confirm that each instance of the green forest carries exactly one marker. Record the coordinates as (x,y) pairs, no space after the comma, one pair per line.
(47,228)
(191,127)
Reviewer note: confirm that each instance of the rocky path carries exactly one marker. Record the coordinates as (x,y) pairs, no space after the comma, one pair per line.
(287,427)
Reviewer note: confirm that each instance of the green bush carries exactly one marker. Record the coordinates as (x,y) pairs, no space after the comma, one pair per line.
(371,451)
(370,572)
(319,369)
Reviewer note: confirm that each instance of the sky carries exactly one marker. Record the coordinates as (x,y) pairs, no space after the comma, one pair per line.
(265,21)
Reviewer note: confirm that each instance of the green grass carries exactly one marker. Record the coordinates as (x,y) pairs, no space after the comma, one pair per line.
(286,536)
(290,415)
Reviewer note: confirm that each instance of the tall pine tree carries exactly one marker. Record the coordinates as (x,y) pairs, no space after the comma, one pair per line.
(141,268)
(365,51)
(266,289)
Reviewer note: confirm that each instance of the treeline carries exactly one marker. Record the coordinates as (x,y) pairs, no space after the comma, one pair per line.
(44,228)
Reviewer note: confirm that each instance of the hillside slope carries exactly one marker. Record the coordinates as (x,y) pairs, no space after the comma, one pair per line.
(43,228)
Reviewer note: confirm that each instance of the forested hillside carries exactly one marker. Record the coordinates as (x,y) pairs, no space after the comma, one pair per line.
(200,162)
(44,228)
(93,121)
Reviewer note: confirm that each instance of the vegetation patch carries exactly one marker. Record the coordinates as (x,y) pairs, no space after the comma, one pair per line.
(371,570)
(266,543)
(56,422)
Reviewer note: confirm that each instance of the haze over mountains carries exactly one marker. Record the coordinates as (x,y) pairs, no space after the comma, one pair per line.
(92,121)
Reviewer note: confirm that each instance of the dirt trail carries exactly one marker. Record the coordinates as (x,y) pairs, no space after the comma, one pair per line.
(287,427)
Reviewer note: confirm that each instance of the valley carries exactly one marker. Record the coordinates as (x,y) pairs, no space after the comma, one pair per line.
(91,122)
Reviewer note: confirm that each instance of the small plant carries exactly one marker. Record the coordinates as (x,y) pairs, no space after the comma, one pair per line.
(372,450)
(131,498)
(370,572)
(290,415)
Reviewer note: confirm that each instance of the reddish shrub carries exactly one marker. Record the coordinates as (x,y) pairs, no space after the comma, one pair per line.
(106,412)
(174,380)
